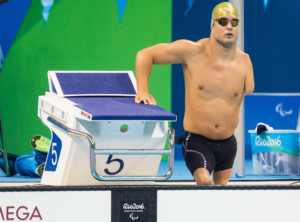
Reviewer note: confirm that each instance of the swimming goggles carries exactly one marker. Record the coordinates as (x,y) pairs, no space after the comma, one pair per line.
(224,22)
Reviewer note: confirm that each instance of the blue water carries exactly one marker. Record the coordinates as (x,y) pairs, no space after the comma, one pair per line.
(180,172)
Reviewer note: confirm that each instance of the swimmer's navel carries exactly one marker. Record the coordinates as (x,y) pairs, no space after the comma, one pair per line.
(217,126)
(201,87)
(236,95)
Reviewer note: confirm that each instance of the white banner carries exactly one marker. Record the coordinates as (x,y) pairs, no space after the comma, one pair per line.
(56,206)
(228,205)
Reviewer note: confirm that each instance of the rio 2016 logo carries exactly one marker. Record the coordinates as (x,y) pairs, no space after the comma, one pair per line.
(133,209)
(267,141)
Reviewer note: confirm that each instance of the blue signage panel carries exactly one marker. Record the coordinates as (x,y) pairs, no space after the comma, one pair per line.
(54,153)
(276,141)
(280,111)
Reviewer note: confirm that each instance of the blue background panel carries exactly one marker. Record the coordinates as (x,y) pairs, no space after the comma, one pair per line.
(272,41)
(11,18)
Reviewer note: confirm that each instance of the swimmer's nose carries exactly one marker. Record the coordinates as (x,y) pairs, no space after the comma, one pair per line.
(229,26)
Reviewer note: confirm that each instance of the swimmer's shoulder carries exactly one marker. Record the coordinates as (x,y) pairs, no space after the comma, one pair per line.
(192,46)
(203,46)
(243,57)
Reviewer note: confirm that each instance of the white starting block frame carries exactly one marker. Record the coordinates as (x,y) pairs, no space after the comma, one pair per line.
(99,133)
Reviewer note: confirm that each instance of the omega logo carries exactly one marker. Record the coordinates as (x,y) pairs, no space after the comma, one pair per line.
(15,213)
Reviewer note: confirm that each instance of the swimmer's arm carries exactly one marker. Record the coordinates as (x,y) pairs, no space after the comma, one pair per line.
(160,54)
(249,82)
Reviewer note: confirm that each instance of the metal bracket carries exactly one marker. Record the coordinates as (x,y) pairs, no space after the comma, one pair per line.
(94,151)
(3,151)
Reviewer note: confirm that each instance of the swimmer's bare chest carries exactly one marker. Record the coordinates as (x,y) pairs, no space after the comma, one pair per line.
(214,92)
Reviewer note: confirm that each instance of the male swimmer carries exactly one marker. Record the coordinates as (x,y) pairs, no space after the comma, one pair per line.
(217,77)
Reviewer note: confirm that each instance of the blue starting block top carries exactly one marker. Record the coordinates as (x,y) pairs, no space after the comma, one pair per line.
(105,95)
(66,84)
(120,108)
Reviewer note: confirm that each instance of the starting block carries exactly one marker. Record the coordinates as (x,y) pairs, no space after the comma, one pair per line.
(99,133)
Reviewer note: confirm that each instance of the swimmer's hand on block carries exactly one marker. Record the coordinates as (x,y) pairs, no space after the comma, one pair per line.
(146,98)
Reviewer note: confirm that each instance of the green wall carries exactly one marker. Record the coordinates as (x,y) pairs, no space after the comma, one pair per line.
(79,35)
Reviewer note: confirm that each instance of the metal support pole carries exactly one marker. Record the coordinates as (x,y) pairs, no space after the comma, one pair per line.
(239,163)
(3,149)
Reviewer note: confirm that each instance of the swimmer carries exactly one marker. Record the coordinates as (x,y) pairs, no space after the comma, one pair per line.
(217,77)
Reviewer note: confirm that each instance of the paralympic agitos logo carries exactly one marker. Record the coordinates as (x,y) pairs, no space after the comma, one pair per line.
(20,213)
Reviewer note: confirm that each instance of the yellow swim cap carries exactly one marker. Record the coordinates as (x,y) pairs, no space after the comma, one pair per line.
(223,9)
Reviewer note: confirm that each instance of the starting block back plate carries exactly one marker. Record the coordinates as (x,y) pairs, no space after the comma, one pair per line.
(92,83)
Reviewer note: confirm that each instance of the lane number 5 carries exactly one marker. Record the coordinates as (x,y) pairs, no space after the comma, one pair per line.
(111,160)
(54,154)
